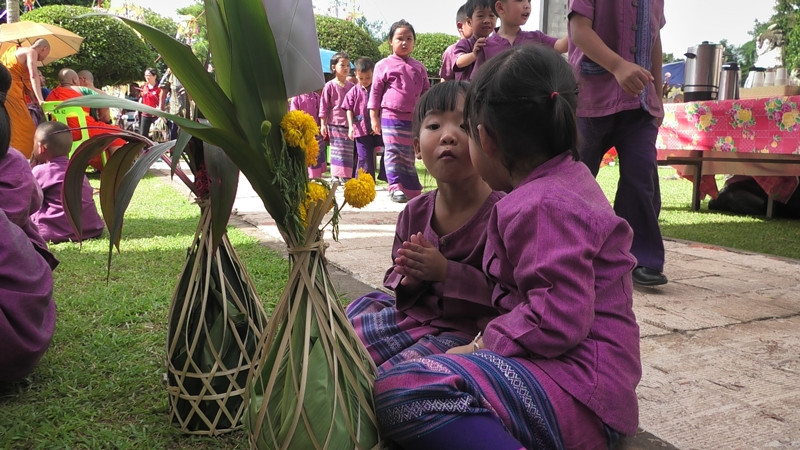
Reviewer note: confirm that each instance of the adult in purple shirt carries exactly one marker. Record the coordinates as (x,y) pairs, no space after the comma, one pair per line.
(558,367)
(52,143)
(398,82)
(615,52)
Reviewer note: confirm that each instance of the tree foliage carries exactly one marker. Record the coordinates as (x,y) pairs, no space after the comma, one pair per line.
(787,15)
(343,35)
(113,52)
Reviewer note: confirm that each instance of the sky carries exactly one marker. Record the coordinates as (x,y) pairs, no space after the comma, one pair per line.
(689,22)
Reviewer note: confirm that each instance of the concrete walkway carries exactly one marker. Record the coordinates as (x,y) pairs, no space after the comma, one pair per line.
(720,343)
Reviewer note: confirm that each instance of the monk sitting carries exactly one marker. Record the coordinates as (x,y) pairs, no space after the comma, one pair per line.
(69,87)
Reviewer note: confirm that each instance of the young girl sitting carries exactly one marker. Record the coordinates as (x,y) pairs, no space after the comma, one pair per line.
(398,82)
(442,295)
(559,365)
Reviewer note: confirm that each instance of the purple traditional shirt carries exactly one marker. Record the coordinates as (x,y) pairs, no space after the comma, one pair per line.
(331,100)
(356,101)
(561,259)
(462,301)
(308,102)
(397,84)
(27,310)
(51,218)
(496,44)
(630,29)
(465,46)
(20,194)
(447,71)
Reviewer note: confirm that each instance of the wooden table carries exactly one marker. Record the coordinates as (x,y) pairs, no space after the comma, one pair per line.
(756,137)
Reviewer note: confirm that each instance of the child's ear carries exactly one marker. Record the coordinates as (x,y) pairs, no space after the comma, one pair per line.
(417,151)
(499,7)
(488,144)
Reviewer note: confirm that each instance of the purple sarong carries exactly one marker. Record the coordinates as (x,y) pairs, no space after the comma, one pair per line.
(342,152)
(398,155)
(391,337)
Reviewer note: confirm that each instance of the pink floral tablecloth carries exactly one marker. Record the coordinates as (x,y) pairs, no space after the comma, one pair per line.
(764,125)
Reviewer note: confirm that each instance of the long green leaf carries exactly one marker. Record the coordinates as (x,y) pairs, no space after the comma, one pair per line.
(220,44)
(110,180)
(224,179)
(73,178)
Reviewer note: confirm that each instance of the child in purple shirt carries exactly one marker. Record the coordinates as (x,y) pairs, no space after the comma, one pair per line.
(398,83)
(559,365)
(359,126)
(333,120)
(309,103)
(469,50)
(52,143)
(446,72)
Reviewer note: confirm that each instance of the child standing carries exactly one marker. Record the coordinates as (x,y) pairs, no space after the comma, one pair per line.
(399,82)
(619,70)
(359,126)
(447,71)
(51,145)
(513,14)
(468,51)
(559,365)
(442,295)
(333,120)
(309,102)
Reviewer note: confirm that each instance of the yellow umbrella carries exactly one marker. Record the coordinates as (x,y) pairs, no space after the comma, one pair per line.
(63,43)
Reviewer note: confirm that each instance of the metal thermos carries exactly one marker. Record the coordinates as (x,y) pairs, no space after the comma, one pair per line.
(729,82)
(703,63)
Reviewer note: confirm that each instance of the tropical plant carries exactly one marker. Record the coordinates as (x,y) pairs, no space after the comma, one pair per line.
(429,48)
(345,36)
(114,53)
(311,382)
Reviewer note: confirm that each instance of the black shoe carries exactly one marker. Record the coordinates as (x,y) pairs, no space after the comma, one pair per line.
(645,276)
(399,197)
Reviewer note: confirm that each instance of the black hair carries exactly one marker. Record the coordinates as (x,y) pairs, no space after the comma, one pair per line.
(401,24)
(364,64)
(5,121)
(525,99)
(336,57)
(56,136)
(461,14)
(442,97)
(152,71)
(472,5)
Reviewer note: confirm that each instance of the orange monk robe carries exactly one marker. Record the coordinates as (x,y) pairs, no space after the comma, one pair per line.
(22,126)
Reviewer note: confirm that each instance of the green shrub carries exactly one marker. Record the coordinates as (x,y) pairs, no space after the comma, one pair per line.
(344,36)
(429,48)
(113,52)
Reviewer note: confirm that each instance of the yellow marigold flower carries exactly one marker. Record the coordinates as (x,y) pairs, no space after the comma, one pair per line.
(311,147)
(296,125)
(360,191)
(315,192)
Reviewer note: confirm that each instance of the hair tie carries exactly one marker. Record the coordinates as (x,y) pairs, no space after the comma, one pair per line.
(553,95)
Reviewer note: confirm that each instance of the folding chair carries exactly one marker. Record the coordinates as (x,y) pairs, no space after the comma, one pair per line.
(60,114)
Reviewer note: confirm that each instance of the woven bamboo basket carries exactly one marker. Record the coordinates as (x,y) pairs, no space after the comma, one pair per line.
(215,321)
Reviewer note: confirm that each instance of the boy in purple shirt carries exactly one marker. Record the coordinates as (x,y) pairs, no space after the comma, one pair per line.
(482,20)
(446,72)
(309,103)
(513,14)
(51,145)
(619,71)
(359,126)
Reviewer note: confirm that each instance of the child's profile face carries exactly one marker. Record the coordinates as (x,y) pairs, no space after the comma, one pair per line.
(513,12)
(402,42)
(342,68)
(364,77)
(443,145)
(482,22)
